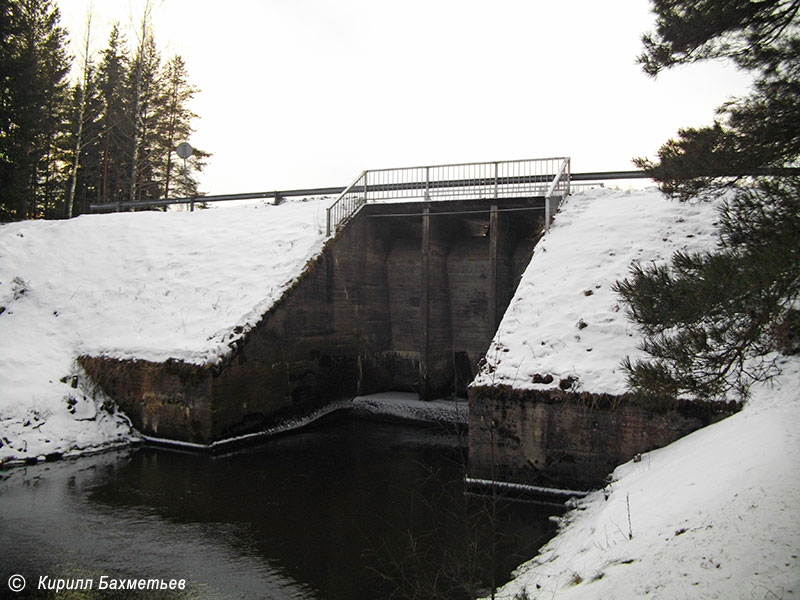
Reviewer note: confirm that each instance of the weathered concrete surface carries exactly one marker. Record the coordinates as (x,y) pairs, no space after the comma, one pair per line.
(407,303)
(170,400)
(560,439)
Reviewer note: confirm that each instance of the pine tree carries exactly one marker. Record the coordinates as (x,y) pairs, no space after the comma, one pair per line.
(752,133)
(714,321)
(177,128)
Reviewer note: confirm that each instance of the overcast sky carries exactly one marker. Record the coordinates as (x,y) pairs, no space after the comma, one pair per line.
(307,93)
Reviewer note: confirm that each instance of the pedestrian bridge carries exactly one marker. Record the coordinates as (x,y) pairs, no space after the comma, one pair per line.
(548,178)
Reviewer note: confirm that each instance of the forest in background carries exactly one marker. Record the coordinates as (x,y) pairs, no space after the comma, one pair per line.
(96,128)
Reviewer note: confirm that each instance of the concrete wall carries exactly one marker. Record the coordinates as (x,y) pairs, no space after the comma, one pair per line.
(169,400)
(393,303)
(567,440)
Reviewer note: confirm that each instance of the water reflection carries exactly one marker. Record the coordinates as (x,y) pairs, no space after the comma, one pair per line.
(344,511)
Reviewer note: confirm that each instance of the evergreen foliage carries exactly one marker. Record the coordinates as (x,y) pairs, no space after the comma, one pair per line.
(108,138)
(34,94)
(756,132)
(714,321)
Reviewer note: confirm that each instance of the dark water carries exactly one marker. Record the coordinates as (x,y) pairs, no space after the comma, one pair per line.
(349,510)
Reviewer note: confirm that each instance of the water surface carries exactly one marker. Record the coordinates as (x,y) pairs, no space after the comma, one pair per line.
(347,510)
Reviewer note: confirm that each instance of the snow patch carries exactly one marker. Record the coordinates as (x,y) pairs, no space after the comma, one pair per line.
(564,320)
(408,407)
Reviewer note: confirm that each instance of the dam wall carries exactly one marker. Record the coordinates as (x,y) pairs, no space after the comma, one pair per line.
(406,297)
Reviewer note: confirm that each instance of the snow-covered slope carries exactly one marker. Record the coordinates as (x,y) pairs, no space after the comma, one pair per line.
(713,515)
(135,285)
(564,319)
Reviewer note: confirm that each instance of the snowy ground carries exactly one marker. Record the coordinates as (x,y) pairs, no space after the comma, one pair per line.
(564,320)
(146,285)
(713,515)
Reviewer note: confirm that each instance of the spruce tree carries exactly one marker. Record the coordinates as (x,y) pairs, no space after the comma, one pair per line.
(114,126)
(10,34)
(35,98)
(715,321)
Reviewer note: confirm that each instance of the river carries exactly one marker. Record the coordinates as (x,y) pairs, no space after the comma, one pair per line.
(348,509)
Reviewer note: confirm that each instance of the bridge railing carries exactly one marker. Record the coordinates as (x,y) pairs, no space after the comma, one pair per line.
(557,190)
(547,177)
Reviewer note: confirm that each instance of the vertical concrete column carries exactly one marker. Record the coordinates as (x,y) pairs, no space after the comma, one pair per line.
(494,236)
(425,307)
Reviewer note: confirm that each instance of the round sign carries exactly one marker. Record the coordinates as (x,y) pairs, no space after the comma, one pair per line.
(184,150)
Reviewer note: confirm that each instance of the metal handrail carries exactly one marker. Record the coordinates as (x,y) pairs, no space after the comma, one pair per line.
(560,183)
(547,177)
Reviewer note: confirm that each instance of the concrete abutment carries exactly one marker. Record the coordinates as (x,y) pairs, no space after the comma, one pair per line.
(553,438)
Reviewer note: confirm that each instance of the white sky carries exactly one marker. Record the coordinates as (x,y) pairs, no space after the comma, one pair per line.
(308,93)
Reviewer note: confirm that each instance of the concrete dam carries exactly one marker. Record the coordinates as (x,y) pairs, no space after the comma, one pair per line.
(406,296)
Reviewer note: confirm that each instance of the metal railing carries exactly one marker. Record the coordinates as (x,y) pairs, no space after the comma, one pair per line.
(277,196)
(547,177)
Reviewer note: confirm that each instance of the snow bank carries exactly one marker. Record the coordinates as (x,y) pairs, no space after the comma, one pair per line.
(713,515)
(564,319)
(142,285)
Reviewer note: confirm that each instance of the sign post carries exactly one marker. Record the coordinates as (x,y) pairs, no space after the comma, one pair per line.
(184,151)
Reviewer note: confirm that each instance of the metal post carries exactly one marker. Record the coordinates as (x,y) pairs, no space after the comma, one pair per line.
(568,176)
(328,222)
(427,183)
(547,214)
(494,238)
(425,304)
(186,186)
(495,180)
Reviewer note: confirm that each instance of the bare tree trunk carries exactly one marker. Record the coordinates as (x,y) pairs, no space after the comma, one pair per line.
(81,116)
(137,100)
